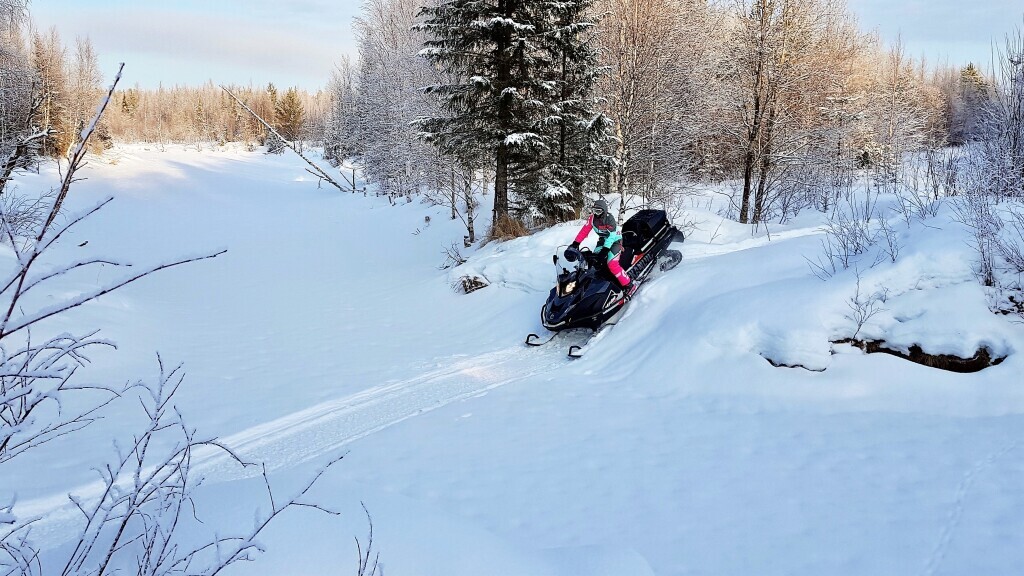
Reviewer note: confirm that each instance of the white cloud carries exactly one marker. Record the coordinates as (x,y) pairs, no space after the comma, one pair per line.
(291,42)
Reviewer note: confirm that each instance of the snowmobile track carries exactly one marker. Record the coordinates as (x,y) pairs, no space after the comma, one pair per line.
(324,429)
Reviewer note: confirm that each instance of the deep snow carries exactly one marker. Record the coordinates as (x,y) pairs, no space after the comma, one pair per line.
(672,448)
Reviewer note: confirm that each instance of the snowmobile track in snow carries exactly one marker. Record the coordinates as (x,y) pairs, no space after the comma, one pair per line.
(325,428)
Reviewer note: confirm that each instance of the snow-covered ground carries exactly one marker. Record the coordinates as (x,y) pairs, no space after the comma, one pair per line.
(673,447)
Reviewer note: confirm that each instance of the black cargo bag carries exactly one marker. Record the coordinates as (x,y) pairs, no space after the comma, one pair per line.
(641,227)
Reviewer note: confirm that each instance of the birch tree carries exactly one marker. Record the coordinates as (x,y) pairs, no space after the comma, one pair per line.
(48,60)
(792,89)
(84,88)
(660,90)
(390,99)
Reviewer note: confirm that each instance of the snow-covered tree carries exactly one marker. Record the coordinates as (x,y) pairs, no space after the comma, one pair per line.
(48,59)
(900,115)
(795,95)
(998,158)
(661,90)
(340,139)
(20,138)
(85,86)
(969,105)
(498,94)
(577,164)
(389,99)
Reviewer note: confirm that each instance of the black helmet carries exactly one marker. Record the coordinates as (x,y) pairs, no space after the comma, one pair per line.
(600,207)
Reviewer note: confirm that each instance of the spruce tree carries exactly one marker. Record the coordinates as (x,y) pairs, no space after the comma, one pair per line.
(289,114)
(974,93)
(521,98)
(499,99)
(274,144)
(578,163)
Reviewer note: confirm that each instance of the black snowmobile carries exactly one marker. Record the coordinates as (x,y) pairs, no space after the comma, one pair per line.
(586,293)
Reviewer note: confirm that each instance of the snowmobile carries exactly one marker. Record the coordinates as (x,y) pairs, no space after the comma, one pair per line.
(586,294)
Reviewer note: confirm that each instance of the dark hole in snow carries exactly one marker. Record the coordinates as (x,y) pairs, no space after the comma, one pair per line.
(982,358)
(783,365)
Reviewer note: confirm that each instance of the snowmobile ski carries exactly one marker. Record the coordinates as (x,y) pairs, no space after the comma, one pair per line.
(577,351)
(535,340)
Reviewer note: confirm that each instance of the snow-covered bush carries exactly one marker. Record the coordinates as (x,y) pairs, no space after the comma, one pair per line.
(275,145)
(991,183)
(852,229)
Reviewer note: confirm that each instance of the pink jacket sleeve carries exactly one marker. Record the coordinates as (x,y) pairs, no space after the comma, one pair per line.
(585,231)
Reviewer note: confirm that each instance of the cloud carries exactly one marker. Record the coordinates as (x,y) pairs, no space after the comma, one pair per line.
(253,39)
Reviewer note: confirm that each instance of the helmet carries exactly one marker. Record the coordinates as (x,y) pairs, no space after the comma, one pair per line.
(600,207)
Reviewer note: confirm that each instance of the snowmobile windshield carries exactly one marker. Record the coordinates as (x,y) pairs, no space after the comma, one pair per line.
(568,263)
(568,260)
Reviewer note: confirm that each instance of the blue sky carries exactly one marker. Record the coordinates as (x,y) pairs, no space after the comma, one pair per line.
(298,42)
(288,42)
(943,31)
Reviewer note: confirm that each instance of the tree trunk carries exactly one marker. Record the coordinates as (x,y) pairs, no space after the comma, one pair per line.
(470,208)
(748,175)
(766,164)
(455,213)
(500,185)
(753,136)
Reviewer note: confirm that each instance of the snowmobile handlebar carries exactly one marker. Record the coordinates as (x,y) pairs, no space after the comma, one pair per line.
(572,254)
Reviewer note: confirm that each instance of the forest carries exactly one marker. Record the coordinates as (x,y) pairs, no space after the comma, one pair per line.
(633,97)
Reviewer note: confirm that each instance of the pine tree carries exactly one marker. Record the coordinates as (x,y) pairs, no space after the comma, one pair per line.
(270,114)
(200,121)
(500,96)
(289,114)
(577,164)
(129,102)
(974,99)
(51,71)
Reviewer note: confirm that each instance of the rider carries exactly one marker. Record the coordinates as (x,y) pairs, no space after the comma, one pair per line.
(609,242)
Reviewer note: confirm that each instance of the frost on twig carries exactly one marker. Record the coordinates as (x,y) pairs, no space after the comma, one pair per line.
(367,559)
(864,307)
(135,521)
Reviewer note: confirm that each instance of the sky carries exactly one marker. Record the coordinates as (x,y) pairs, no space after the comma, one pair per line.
(287,42)
(298,42)
(943,31)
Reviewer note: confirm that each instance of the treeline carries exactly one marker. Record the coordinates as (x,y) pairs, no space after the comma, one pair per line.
(207,114)
(50,90)
(557,102)
(553,103)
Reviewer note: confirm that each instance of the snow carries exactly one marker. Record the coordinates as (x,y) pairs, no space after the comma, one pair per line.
(673,447)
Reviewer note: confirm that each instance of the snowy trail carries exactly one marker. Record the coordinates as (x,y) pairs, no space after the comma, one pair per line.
(324,429)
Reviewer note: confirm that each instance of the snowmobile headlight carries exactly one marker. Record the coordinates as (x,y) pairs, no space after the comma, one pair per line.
(570,287)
